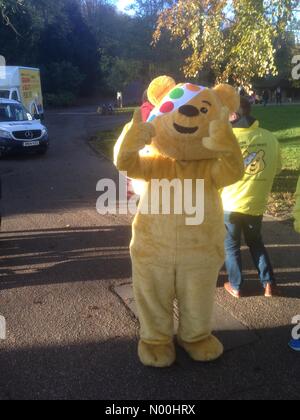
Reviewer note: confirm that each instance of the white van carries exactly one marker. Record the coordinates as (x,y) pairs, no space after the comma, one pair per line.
(20,131)
(23,84)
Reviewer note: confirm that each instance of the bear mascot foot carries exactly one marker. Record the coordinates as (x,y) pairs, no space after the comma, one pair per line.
(206,350)
(160,355)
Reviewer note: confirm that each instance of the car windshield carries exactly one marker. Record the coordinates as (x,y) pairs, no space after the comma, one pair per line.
(4,94)
(13,112)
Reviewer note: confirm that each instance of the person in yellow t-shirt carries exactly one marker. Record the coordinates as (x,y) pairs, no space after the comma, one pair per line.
(245,202)
(297,209)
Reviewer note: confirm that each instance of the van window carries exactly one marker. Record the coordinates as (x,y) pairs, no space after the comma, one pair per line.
(33,109)
(12,112)
(15,96)
(4,94)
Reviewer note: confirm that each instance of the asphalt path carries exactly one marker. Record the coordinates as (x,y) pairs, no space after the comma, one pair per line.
(69,335)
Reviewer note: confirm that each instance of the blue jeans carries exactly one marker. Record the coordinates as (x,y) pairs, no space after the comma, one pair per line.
(250,226)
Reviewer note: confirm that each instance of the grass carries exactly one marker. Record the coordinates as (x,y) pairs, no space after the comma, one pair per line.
(126,110)
(105,141)
(283,121)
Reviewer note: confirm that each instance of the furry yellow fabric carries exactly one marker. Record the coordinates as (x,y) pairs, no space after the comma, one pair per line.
(169,257)
(159,88)
(207,350)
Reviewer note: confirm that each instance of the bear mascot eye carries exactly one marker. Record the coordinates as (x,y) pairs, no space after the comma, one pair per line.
(204,110)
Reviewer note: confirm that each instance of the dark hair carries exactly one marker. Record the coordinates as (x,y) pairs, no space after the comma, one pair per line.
(145,97)
(246,107)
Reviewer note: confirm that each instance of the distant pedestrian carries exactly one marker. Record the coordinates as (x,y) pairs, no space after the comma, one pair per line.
(279,96)
(253,98)
(120,99)
(242,91)
(245,202)
(266,97)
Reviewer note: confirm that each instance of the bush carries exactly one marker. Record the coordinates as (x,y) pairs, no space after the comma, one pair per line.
(61,77)
(64,99)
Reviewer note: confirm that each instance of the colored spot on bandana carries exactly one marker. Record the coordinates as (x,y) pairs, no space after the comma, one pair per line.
(167,107)
(152,118)
(177,93)
(193,88)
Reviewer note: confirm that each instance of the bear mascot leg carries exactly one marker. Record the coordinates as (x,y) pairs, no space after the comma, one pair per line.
(195,289)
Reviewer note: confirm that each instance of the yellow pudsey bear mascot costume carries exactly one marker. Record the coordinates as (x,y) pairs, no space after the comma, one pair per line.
(191,139)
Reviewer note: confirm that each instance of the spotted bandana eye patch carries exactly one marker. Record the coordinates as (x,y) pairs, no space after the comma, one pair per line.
(179,96)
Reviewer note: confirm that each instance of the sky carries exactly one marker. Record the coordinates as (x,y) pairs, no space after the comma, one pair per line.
(122,4)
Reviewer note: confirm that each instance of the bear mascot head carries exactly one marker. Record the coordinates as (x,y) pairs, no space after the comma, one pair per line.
(183,115)
(187,137)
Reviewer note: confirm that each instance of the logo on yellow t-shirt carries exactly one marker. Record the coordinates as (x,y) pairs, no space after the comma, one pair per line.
(254,162)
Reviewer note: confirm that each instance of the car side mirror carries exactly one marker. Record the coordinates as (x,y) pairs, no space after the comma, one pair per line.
(40,117)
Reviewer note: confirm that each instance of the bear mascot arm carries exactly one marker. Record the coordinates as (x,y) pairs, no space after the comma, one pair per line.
(229,168)
(133,140)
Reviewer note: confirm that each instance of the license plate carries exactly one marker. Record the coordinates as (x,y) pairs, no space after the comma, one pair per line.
(31,143)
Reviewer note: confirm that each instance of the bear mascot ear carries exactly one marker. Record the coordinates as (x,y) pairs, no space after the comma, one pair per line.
(228,96)
(159,88)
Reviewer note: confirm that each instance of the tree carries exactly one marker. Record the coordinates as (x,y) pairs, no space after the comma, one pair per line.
(150,8)
(71,41)
(119,73)
(7,9)
(234,39)
(51,35)
(124,43)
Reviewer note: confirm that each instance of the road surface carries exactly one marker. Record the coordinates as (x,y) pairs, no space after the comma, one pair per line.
(69,336)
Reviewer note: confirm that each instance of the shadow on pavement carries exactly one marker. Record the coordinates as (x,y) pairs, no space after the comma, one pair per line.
(111,370)
(99,253)
(64,255)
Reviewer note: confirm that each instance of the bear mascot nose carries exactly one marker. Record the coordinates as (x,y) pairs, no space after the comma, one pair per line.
(189,111)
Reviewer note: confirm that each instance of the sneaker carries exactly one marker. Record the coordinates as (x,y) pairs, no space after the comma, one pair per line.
(271,290)
(234,293)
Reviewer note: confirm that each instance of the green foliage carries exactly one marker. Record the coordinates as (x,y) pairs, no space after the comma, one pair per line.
(119,72)
(105,141)
(64,99)
(125,43)
(281,120)
(48,33)
(284,123)
(234,39)
(61,74)
(86,47)
(7,9)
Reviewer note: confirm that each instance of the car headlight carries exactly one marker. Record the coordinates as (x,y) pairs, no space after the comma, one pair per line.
(44,131)
(5,134)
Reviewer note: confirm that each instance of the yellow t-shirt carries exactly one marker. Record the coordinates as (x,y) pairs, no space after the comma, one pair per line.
(262,158)
(297,209)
